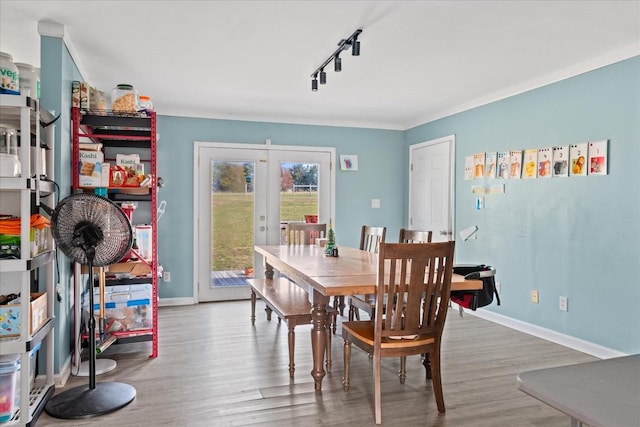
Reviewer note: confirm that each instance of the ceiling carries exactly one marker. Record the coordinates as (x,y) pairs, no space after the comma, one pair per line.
(252,60)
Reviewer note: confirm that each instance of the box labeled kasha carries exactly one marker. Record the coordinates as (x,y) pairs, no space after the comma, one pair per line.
(90,168)
(10,315)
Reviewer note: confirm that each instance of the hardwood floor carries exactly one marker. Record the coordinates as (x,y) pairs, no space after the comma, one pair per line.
(215,369)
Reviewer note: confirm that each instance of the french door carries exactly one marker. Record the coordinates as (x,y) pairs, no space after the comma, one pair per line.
(244,196)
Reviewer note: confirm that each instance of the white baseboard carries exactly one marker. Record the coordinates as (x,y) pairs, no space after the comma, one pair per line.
(546,334)
(164,302)
(61,378)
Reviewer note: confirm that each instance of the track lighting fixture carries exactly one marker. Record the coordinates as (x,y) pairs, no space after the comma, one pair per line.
(337,62)
(355,49)
(344,44)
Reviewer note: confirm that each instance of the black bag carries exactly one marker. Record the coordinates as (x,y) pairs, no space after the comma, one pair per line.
(481,297)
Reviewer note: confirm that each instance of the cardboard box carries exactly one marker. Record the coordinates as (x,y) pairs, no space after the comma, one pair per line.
(123,269)
(106,175)
(10,315)
(90,168)
(75,94)
(132,268)
(84,96)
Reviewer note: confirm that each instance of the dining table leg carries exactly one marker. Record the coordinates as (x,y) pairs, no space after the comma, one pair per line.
(268,271)
(318,335)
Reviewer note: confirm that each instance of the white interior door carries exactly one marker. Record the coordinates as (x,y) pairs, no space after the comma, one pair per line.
(431,184)
(243,196)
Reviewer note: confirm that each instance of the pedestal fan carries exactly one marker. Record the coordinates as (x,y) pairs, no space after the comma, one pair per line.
(93,231)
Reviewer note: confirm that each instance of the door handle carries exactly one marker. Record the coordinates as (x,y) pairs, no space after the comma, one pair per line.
(445,233)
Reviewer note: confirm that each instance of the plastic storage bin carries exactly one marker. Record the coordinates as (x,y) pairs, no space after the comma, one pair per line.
(33,358)
(9,367)
(127,307)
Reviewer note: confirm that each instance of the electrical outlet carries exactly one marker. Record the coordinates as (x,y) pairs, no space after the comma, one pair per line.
(375,203)
(564,304)
(166,276)
(534,297)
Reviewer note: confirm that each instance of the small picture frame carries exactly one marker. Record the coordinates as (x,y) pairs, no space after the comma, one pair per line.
(349,162)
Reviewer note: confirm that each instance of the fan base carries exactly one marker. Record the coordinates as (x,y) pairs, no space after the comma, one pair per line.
(102,367)
(82,402)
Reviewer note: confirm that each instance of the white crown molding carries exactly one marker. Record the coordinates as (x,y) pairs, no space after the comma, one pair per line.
(609,58)
(53,29)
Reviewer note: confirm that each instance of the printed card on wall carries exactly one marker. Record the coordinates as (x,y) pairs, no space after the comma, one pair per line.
(515,164)
(490,164)
(529,162)
(544,162)
(503,165)
(478,160)
(578,159)
(468,168)
(560,161)
(598,157)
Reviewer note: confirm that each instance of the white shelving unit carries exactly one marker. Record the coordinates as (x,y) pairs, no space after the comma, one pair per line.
(18,196)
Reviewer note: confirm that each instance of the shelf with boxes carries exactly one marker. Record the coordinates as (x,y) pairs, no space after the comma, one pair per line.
(115,156)
(26,260)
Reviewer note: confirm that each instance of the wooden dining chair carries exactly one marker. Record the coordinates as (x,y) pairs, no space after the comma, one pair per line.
(367,303)
(300,233)
(414,236)
(416,278)
(370,239)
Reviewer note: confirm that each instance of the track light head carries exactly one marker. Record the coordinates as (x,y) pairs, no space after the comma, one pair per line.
(337,62)
(323,77)
(355,49)
(314,83)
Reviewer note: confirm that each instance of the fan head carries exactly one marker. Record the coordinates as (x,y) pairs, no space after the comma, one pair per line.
(91,229)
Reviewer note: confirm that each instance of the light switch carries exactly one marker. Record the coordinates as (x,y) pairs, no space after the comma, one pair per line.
(375,203)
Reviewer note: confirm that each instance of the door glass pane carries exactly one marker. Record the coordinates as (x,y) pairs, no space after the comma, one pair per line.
(232,208)
(298,193)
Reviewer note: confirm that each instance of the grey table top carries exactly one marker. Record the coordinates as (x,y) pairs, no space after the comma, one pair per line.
(603,393)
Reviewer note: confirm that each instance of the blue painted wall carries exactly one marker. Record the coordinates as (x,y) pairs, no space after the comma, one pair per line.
(58,70)
(380,175)
(578,236)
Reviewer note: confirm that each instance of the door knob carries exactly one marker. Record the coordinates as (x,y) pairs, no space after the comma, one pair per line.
(262,228)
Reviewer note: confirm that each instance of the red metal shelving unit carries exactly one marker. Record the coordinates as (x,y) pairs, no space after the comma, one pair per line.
(136,132)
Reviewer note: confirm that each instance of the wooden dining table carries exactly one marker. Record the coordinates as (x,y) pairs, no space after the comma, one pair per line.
(353,272)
